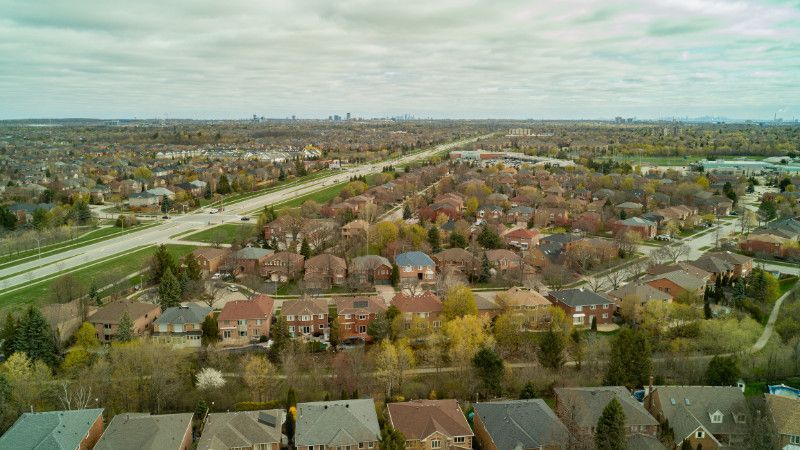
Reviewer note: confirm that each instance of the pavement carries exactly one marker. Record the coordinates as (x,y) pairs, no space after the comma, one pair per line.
(31,271)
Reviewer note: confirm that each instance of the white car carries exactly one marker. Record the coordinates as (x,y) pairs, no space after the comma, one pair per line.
(663,237)
(212,211)
(233,288)
(216,276)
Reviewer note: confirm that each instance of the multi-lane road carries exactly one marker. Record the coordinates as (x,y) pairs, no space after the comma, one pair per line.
(24,273)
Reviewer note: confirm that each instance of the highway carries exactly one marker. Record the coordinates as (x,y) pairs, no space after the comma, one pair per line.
(22,274)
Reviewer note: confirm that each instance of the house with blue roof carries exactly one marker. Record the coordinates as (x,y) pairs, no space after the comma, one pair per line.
(416,267)
(58,430)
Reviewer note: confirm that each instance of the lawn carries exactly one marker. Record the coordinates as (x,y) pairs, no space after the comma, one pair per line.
(241,196)
(87,238)
(226,233)
(109,269)
(321,196)
(705,247)
(786,284)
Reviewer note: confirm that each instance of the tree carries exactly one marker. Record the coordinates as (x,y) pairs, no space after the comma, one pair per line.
(162,260)
(528,391)
(169,290)
(722,371)
(305,249)
(333,333)
(507,329)
(8,334)
(395,276)
(577,347)
(210,330)
(209,378)
(551,350)
(281,338)
(610,431)
(392,439)
(459,302)
(465,336)
(378,328)
(407,214)
(125,331)
(629,362)
(35,338)
(257,375)
(223,187)
(86,337)
(768,210)
(193,269)
(457,240)
(489,367)
(489,239)
(485,274)
(434,239)
(386,362)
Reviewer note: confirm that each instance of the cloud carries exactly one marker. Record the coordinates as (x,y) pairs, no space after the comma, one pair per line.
(449,58)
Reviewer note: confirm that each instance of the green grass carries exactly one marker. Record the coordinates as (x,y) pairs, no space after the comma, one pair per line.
(242,196)
(90,237)
(226,233)
(705,247)
(108,269)
(786,284)
(320,196)
(776,262)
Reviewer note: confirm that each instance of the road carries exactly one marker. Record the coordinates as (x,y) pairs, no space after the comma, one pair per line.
(25,273)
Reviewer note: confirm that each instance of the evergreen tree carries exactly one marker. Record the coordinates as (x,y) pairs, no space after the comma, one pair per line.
(707,309)
(610,431)
(486,273)
(169,290)
(94,295)
(210,329)
(686,445)
(8,335)
(193,269)
(392,439)
(407,214)
(305,249)
(35,338)
(629,362)
(281,174)
(551,350)
(125,328)
(722,371)
(208,194)
(489,239)
(333,333)
(281,338)
(528,391)
(489,367)
(162,260)
(378,328)
(395,277)
(224,186)
(457,240)
(434,239)
(593,326)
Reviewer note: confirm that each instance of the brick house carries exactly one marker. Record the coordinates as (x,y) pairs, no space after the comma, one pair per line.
(676,282)
(72,429)
(148,432)
(106,319)
(712,416)
(765,244)
(325,270)
(724,264)
(522,238)
(282,266)
(211,258)
(247,260)
(244,321)
(341,424)
(425,307)
(416,267)
(355,228)
(354,314)
(431,424)
(583,305)
(372,269)
(181,326)
(643,227)
(455,258)
(785,415)
(524,424)
(306,316)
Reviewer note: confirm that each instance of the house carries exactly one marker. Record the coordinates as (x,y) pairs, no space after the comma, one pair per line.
(181,325)
(355,228)
(528,302)
(583,306)
(580,408)
(211,258)
(354,315)
(426,307)
(161,193)
(630,208)
(141,431)
(77,429)
(643,292)
(676,282)
(519,424)
(248,260)
(416,266)
(106,319)
(765,244)
(784,412)
(306,316)
(712,416)
(371,269)
(724,264)
(504,260)
(643,227)
(244,321)
(282,266)
(325,270)
(253,430)
(431,424)
(521,238)
(455,258)
(338,424)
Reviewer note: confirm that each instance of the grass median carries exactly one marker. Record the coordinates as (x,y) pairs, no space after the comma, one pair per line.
(226,233)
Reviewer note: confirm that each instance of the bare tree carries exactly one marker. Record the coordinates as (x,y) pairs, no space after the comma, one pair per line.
(74,397)
(596,284)
(615,278)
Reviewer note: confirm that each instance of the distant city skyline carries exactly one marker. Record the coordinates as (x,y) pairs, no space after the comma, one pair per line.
(572,59)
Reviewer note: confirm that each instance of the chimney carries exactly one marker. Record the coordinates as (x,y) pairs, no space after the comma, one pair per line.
(649,394)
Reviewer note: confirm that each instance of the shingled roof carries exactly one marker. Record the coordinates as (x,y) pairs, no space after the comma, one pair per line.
(145,432)
(336,423)
(517,424)
(56,430)
(419,419)
(589,403)
(242,429)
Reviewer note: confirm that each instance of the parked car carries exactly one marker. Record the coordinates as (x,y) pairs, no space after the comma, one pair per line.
(165,217)
(216,276)
(663,237)
(245,218)
(233,288)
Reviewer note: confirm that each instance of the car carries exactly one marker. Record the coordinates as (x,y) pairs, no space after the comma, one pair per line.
(165,217)
(216,276)
(212,211)
(734,213)
(245,218)
(233,288)
(663,237)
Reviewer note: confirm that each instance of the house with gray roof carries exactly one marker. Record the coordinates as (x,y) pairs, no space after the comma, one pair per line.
(142,431)
(643,292)
(583,306)
(247,260)
(712,416)
(580,408)
(371,269)
(518,424)
(416,266)
(676,282)
(57,430)
(343,423)
(181,326)
(243,429)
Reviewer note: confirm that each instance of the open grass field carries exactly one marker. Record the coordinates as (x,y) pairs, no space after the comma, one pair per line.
(227,233)
(103,271)
(787,284)
(320,196)
(242,196)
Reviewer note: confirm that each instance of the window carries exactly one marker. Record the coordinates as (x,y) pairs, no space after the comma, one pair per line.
(436,443)
(594,306)
(459,439)
(605,306)
(716,417)
(360,445)
(291,329)
(256,332)
(348,316)
(605,315)
(577,320)
(243,333)
(320,316)
(578,308)
(258,321)
(107,326)
(305,318)
(242,321)
(362,329)
(226,334)
(700,434)
(348,326)
(362,317)
(437,324)
(370,444)
(407,269)
(289,318)
(795,440)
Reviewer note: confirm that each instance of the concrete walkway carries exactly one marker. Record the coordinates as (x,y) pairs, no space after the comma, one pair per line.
(773,317)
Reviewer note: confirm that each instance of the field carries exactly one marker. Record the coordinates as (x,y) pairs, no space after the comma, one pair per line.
(674,160)
(236,198)
(108,269)
(226,233)
(320,196)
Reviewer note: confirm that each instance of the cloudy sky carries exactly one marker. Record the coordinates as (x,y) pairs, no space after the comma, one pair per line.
(437,58)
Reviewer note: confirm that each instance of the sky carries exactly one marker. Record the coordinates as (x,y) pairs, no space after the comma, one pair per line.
(555,59)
